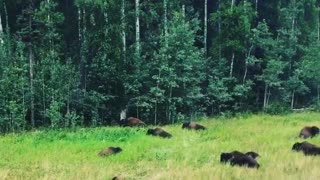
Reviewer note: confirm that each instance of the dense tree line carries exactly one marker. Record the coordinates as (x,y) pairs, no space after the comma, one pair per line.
(81,62)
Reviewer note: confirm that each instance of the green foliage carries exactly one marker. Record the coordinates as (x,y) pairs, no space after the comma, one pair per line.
(54,115)
(276,108)
(86,68)
(179,67)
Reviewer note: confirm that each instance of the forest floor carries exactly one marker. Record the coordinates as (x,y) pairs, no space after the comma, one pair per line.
(68,154)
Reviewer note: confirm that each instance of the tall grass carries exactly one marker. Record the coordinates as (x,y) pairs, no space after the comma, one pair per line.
(188,155)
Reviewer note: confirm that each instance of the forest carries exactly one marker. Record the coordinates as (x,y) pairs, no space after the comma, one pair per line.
(74,63)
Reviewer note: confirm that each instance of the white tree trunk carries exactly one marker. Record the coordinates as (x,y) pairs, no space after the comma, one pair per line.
(1,31)
(123,28)
(79,26)
(48,2)
(183,10)
(232,4)
(219,30)
(246,64)
(292,99)
(318,93)
(318,26)
(293,23)
(82,42)
(231,66)
(165,7)
(268,98)
(156,101)
(6,15)
(105,14)
(31,74)
(31,84)
(265,97)
(137,28)
(205,26)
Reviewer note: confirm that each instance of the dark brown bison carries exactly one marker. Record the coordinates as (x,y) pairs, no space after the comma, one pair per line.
(192,125)
(116,178)
(306,148)
(244,161)
(159,132)
(110,151)
(240,159)
(225,157)
(309,132)
(131,122)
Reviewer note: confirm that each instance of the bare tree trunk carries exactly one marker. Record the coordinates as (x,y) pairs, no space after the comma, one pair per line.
(183,10)
(79,26)
(105,14)
(246,65)
(156,102)
(6,15)
(137,28)
(123,28)
(48,2)
(269,94)
(205,26)
(292,99)
(293,24)
(219,30)
(31,73)
(23,102)
(165,7)
(43,97)
(80,47)
(169,104)
(82,42)
(257,6)
(231,66)
(155,112)
(137,111)
(318,92)
(232,4)
(31,81)
(318,25)
(265,96)
(1,31)
(68,99)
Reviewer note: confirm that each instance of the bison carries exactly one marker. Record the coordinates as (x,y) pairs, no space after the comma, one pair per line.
(159,132)
(131,122)
(110,151)
(192,125)
(307,148)
(240,159)
(309,132)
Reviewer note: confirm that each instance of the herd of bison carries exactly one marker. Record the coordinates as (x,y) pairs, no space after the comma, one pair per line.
(238,158)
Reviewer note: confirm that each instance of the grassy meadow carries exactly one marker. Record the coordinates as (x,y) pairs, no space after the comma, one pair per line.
(68,154)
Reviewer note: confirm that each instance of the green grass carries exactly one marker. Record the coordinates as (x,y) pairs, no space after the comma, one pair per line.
(188,155)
